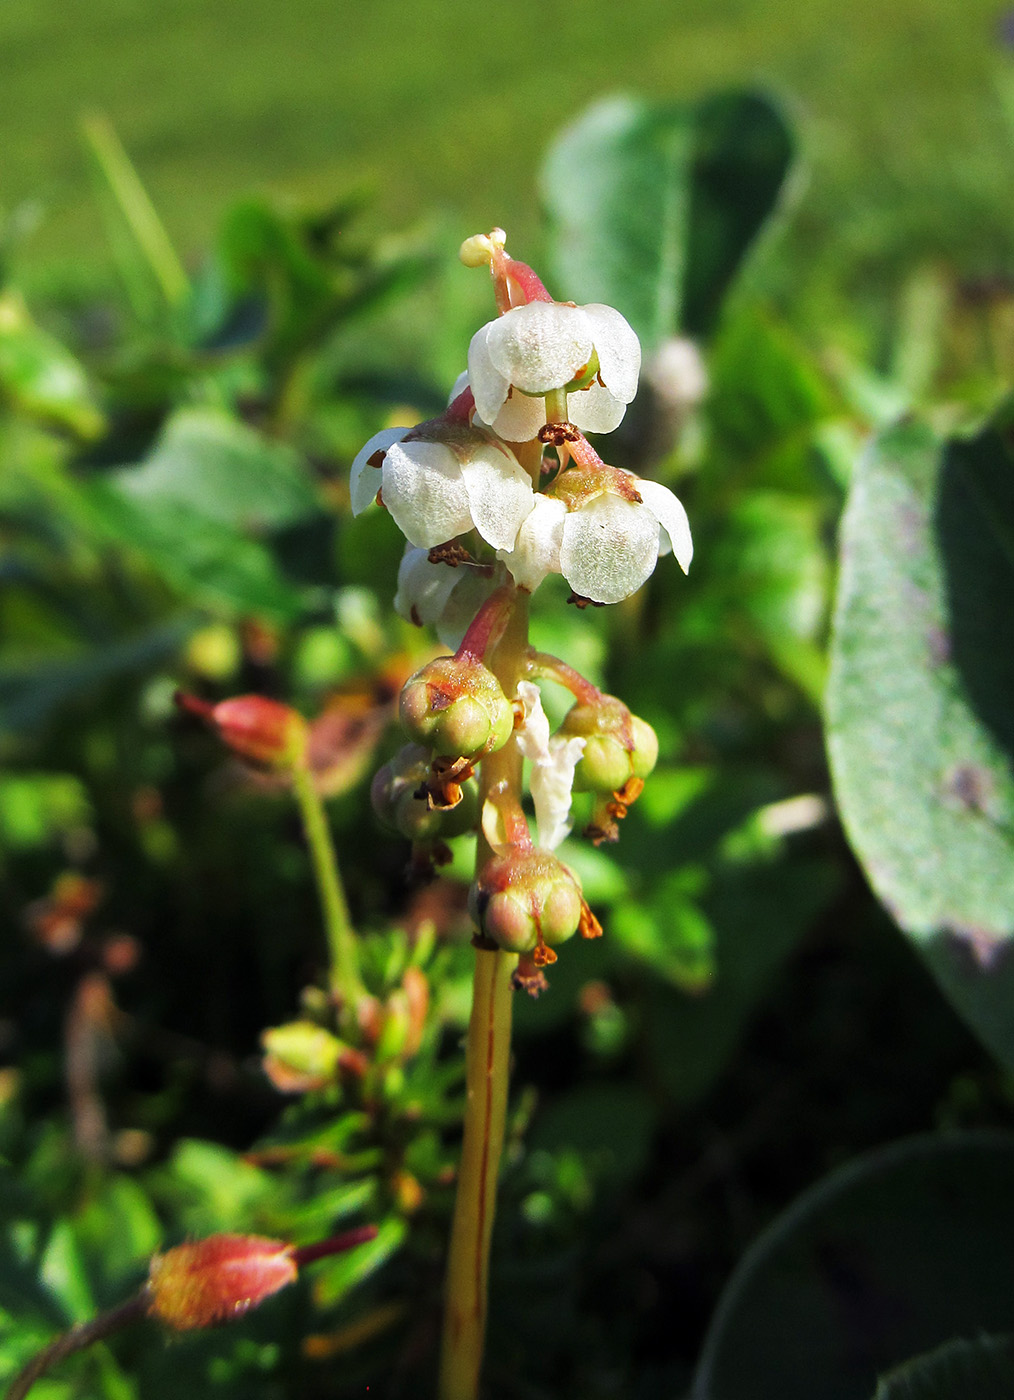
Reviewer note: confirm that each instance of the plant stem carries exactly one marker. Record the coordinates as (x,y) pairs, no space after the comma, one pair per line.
(341,938)
(85,1334)
(487,1064)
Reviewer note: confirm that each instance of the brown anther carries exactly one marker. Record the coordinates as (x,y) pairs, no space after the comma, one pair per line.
(452,554)
(625,797)
(556,434)
(380,500)
(377,460)
(442,789)
(581,602)
(589,927)
(416,619)
(601,832)
(543,956)
(526,977)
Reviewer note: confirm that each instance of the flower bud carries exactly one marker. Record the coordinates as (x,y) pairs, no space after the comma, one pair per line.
(396,801)
(525,900)
(217,1279)
(618,745)
(260,730)
(301,1056)
(456,707)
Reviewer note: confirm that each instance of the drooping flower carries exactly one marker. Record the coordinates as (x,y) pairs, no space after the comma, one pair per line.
(439,596)
(604,530)
(440,484)
(541,347)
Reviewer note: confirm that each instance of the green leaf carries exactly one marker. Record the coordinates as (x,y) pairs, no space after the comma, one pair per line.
(921,706)
(961,1370)
(29,694)
(63,1272)
(652,207)
(39,376)
(35,808)
(339,1275)
(205,561)
(890,1256)
(210,463)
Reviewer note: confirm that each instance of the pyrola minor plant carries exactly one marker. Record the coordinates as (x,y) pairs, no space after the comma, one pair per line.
(495,494)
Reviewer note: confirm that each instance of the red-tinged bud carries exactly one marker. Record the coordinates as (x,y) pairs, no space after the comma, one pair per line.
(260,730)
(220,1278)
(457,707)
(400,799)
(301,1056)
(618,745)
(215,1280)
(526,900)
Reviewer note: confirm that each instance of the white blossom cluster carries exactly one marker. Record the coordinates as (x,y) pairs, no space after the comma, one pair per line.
(447,478)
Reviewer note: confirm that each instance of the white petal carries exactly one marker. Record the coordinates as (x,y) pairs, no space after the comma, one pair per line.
(465,601)
(551,777)
(489,386)
(364,480)
(609,548)
(460,385)
(536,552)
(668,511)
(500,493)
(539,347)
(425,494)
(677,373)
(520,418)
(595,410)
(618,348)
(423,588)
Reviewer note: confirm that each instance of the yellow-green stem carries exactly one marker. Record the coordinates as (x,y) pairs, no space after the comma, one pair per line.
(341,938)
(487,1064)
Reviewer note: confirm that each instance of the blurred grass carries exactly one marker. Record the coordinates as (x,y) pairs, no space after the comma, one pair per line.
(452,104)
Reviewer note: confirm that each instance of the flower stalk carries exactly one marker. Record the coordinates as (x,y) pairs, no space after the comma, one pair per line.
(343,955)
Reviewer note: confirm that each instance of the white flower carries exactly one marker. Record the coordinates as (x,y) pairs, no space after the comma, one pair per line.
(677,373)
(605,545)
(553,760)
(439,596)
(437,490)
(544,346)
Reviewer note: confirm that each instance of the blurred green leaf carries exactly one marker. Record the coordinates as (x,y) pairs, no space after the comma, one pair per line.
(921,705)
(653,207)
(29,694)
(962,1370)
(203,560)
(891,1255)
(335,1277)
(610,1125)
(39,376)
(211,1188)
(208,462)
(62,1270)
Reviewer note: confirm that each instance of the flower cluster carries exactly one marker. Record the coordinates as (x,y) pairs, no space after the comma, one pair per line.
(495,494)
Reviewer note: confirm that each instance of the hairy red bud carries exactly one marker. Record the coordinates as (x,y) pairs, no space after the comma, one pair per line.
(263,731)
(215,1280)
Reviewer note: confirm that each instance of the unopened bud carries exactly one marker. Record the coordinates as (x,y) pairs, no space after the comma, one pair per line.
(260,730)
(456,707)
(525,900)
(618,745)
(215,1280)
(301,1056)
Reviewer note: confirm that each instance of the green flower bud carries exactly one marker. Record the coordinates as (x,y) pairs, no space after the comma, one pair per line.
(456,708)
(525,900)
(618,745)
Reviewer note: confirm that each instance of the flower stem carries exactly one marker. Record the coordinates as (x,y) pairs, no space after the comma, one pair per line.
(487,1063)
(341,938)
(85,1334)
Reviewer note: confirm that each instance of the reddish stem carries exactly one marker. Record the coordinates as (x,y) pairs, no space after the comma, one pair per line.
(543,664)
(487,626)
(309,1253)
